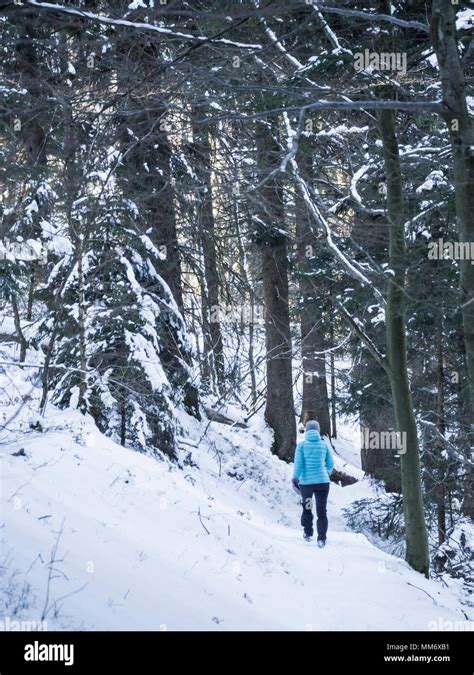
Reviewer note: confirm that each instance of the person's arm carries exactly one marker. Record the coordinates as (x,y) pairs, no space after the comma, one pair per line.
(298,462)
(329,459)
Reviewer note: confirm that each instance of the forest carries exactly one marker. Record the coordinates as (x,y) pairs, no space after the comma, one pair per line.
(220,220)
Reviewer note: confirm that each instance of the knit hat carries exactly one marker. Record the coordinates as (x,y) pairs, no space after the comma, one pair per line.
(312,425)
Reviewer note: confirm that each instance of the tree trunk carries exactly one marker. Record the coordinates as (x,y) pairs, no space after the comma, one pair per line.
(333,382)
(245,274)
(153,191)
(270,236)
(440,487)
(207,371)
(21,337)
(73,178)
(315,403)
(81,404)
(461,131)
(35,143)
(417,552)
(443,31)
(207,235)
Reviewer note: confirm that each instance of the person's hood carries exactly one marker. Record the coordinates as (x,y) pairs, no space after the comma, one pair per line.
(312,435)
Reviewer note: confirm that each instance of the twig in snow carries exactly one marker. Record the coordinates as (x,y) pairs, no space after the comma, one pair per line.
(68,595)
(46,608)
(200,519)
(238,488)
(422,589)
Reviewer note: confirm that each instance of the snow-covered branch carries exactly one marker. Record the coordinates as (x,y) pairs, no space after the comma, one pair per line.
(331,36)
(378,356)
(370,16)
(323,224)
(375,104)
(140,25)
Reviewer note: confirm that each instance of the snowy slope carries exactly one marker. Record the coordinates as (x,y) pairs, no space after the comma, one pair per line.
(215,544)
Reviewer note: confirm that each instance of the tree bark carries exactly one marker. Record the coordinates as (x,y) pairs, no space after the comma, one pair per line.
(333,383)
(73,178)
(146,176)
(271,237)
(315,403)
(207,235)
(417,552)
(461,131)
(21,336)
(244,273)
(440,487)
(81,403)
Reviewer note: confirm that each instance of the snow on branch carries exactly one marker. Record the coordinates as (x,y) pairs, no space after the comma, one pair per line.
(321,221)
(375,104)
(331,36)
(99,18)
(355,194)
(277,43)
(369,16)
(378,356)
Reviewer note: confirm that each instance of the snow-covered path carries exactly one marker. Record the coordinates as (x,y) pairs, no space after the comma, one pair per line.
(217,545)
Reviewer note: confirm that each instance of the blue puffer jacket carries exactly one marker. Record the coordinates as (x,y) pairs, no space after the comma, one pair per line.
(313,460)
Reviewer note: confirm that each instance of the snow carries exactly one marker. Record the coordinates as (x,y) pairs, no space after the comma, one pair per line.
(465,19)
(434,179)
(321,221)
(31,208)
(340,130)
(139,25)
(212,544)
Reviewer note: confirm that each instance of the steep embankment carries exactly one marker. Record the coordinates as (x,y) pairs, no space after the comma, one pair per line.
(216,544)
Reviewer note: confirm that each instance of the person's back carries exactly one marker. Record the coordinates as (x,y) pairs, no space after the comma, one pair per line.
(311,475)
(313,459)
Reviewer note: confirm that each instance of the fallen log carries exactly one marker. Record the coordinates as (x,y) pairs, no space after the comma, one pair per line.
(342,479)
(216,416)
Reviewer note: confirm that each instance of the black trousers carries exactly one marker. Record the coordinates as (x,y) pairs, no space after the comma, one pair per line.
(320,491)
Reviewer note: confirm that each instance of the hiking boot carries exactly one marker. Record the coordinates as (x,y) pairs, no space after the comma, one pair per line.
(321,543)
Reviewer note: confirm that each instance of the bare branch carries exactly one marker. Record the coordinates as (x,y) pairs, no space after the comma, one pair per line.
(378,356)
(379,104)
(369,16)
(99,18)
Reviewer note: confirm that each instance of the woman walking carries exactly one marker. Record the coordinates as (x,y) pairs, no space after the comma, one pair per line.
(313,466)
